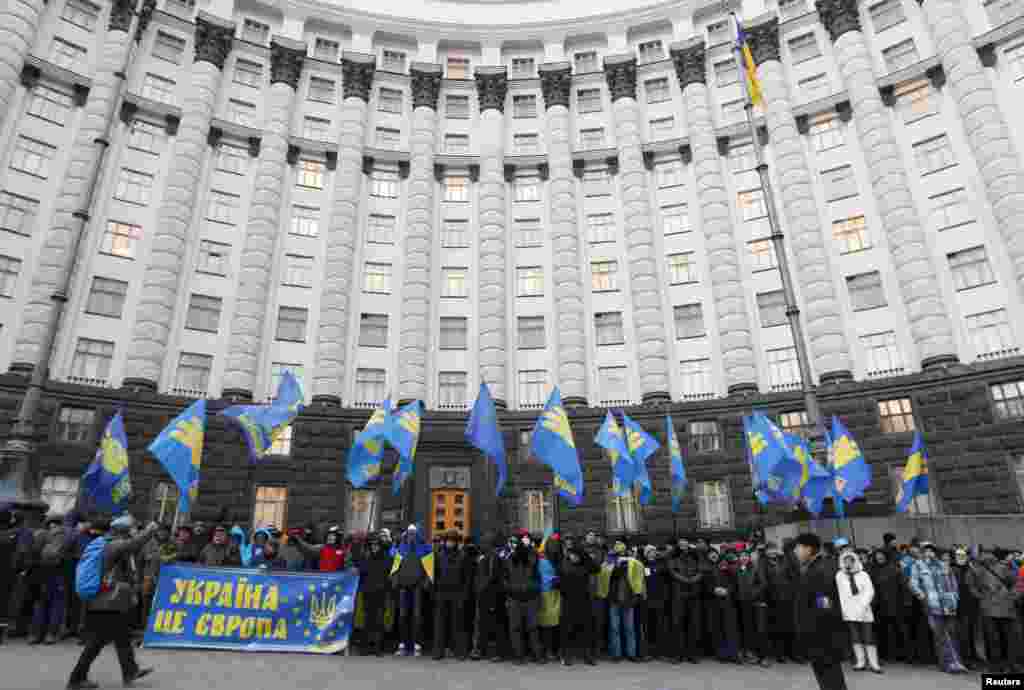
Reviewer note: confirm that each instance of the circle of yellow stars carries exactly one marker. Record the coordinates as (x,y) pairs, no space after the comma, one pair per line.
(323,636)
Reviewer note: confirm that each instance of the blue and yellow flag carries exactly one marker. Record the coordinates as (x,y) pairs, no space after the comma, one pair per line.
(775,468)
(482,433)
(677,470)
(747,65)
(403,434)
(552,444)
(106,483)
(179,448)
(641,446)
(915,475)
(364,457)
(853,474)
(611,437)
(262,424)
(815,483)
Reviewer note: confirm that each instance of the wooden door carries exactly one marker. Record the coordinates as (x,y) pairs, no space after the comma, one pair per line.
(449,511)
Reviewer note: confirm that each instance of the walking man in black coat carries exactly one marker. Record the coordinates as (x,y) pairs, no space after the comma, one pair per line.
(819,622)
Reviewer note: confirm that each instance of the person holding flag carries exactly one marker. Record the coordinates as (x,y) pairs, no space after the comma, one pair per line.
(641,446)
(552,443)
(482,433)
(106,484)
(364,457)
(179,448)
(915,475)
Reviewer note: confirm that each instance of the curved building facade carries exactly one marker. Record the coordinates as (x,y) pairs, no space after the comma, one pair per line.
(409,200)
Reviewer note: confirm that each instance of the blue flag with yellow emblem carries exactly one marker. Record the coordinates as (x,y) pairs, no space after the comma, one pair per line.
(915,475)
(677,470)
(261,425)
(552,444)
(853,474)
(611,437)
(106,483)
(641,446)
(179,448)
(776,470)
(364,457)
(815,483)
(482,433)
(403,434)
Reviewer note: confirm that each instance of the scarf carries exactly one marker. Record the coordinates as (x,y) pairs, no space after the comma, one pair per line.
(853,584)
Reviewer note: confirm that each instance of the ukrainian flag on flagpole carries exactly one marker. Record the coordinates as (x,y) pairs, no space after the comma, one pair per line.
(915,475)
(853,473)
(776,471)
(402,432)
(613,440)
(641,446)
(551,442)
(482,433)
(107,483)
(179,448)
(747,64)
(262,424)
(364,457)
(676,468)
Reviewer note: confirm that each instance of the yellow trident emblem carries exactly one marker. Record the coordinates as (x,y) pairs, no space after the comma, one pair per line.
(322,611)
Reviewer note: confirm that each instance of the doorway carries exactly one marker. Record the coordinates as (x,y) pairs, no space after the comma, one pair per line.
(449,511)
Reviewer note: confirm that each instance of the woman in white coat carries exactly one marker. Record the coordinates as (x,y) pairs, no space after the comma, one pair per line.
(855,595)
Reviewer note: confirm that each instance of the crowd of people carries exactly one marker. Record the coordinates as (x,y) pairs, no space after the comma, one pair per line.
(574,599)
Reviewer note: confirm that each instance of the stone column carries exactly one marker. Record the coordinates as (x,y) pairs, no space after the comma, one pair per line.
(241,370)
(162,280)
(75,193)
(723,261)
(342,230)
(987,131)
(19,24)
(645,288)
(414,327)
(492,86)
(830,353)
(570,314)
(912,262)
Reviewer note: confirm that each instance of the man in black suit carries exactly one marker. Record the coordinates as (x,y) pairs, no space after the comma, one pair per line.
(819,622)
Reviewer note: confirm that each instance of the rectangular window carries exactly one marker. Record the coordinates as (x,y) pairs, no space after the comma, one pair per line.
(596,182)
(68,55)
(310,173)
(934,154)
(742,156)
(120,239)
(221,207)
(675,219)
(203,313)
(454,281)
(456,188)
(896,416)
(380,229)
(662,128)
(455,233)
(32,157)
(695,379)
(389,100)
(788,9)
(384,184)
(9,270)
(754,211)
(524,106)
(657,90)
(1015,60)
(588,101)
(530,330)
(454,332)
(291,323)
(157,88)
(527,187)
(106,297)
(851,235)
(772,308)
(49,104)
(377,278)
(682,268)
(248,73)
(882,354)
(133,187)
(669,173)
(458,68)
(533,385)
(316,128)
(804,47)
(991,334)
(651,51)
(305,221)
(91,363)
(456,107)
(726,72)
(76,425)
(826,133)
(783,368)
(886,14)
(732,111)
(608,326)
(145,136)
(528,232)
(270,506)
(600,227)
(363,511)
(866,291)
(388,138)
(394,61)
(451,389)
(456,143)
(526,144)
(816,86)
(604,275)
(970,268)
(1008,400)
(182,8)
(950,209)
(297,271)
(80,13)
(592,138)
(762,255)
(17,213)
(241,112)
(370,385)
(839,183)
(719,31)
(689,320)
(530,281)
(705,437)
(585,62)
(60,493)
(903,54)
(326,50)
(613,384)
(213,257)
(523,68)
(373,330)
(193,375)
(917,99)
(537,511)
(255,32)
(623,512)
(232,159)
(321,90)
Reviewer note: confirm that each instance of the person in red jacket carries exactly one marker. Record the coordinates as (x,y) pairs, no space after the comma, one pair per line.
(332,554)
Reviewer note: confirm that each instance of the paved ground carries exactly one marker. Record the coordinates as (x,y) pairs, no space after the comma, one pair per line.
(46,668)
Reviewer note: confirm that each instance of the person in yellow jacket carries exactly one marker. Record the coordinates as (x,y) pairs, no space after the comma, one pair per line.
(549,617)
(621,581)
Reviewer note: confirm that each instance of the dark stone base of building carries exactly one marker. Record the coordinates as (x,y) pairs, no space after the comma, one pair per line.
(974,443)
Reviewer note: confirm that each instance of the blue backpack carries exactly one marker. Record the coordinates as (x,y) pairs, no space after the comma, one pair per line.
(89,573)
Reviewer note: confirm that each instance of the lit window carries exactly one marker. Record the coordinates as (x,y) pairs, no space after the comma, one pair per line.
(866,291)
(695,379)
(456,188)
(934,154)
(604,275)
(585,62)
(531,332)
(839,183)
(623,512)
(32,157)
(310,174)
(394,61)
(146,136)
(232,159)
(528,232)
(67,55)
(527,188)
(826,133)
(797,423)
(675,219)
(384,184)
(458,68)
(682,268)
(157,88)
(377,278)
(705,437)
(76,424)
(523,68)
(754,211)
(537,511)
(524,106)
(80,13)
(106,297)
(726,72)
(213,257)
(453,281)
(896,416)
(454,333)
(49,104)
(133,187)
(120,239)
(255,32)
(600,227)
(221,207)
(689,320)
(588,101)
(59,493)
(917,99)
(991,334)
(193,374)
(17,213)
(291,324)
(248,73)
(363,510)
(456,143)
(373,330)
(321,90)
(592,138)
(669,173)
(316,128)
(203,313)
(662,127)
(970,268)
(886,14)
(651,51)
(762,255)
(772,308)
(608,326)
(596,182)
(389,101)
(851,234)
(742,156)
(92,359)
(9,270)
(882,354)
(305,221)
(950,209)
(530,281)
(1008,400)
(370,385)
(326,50)
(388,138)
(297,270)
(525,144)
(657,90)
(380,229)
(533,385)
(804,47)
(270,507)
(783,368)
(903,54)
(241,112)
(456,107)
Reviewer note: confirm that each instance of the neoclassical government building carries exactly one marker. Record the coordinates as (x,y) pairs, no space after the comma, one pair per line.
(406,198)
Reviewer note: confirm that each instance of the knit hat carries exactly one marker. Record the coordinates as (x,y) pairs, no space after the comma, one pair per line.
(123,523)
(809,539)
(840,542)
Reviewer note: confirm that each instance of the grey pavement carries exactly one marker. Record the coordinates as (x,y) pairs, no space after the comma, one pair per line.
(46,668)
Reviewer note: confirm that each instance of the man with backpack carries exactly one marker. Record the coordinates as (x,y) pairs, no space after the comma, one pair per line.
(105,581)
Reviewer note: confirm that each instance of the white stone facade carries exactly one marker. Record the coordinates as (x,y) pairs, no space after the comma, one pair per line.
(609,240)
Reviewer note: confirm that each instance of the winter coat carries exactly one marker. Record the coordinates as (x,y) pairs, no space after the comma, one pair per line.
(597,555)
(220,556)
(933,583)
(575,584)
(720,576)
(487,575)
(521,577)
(994,586)
(375,572)
(685,576)
(626,582)
(855,607)
(329,558)
(118,567)
(779,581)
(750,584)
(1020,580)
(819,623)
(893,598)
(969,607)
(658,582)
(450,581)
